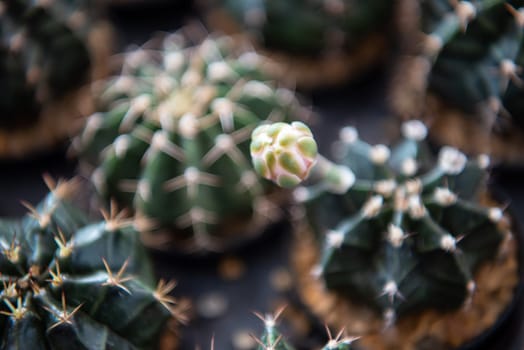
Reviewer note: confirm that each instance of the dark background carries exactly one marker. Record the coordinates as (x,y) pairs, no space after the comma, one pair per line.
(362,104)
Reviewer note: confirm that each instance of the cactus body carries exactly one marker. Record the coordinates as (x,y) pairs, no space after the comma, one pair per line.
(316,43)
(310,27)
(42,58)
(172,136)
(408,232)
(477,52)
(67,284)
(464,73)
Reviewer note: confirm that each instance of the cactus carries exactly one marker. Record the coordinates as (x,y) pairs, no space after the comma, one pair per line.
(272,339)
(314,27)
(399,231)
(469,56)
(172,138)
(70,284)
(45,59)
(322,42)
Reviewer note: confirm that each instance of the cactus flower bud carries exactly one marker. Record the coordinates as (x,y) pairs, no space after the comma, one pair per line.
(283,153)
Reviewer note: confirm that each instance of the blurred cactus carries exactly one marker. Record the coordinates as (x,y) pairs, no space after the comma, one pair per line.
(45,57)
(405,232)
(470,56)
(476,50)
(171,138)
(69,284)
(310,27)
(318,43)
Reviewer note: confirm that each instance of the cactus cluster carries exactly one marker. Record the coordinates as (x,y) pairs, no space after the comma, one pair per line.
(470,55)
(399,230)
(68,284)
(171,138)
(272,339)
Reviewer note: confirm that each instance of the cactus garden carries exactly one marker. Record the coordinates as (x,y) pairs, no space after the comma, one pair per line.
(394,233)
(323,43)
(463,71)
(48,52)
(261,175)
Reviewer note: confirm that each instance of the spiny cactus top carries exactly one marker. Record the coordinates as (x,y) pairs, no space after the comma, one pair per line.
(272,339)
(401,231)
(43,56)
(476,52)
(310,27)
(67,284)
(172,135)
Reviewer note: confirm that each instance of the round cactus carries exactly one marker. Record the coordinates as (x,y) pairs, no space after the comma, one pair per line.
(171,138)
(69,284)
(409,231)
(318,42)
(467,66)
(45,58)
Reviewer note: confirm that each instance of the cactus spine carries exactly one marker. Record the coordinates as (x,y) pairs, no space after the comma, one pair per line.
(399,230)
(172,137)
(69,284)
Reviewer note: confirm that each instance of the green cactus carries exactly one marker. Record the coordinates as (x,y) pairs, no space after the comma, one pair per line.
(310,27)
(272,339)
(474,52)
(69,284)
(43,57)
(172,137)
(399,231)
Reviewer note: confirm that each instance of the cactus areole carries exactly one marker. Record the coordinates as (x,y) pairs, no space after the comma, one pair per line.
(67,284)
(172,138)
(408,231)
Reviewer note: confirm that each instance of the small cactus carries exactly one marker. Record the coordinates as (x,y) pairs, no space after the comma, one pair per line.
(405,232)
(45,59)
(272,339)
(68,284)
(171,137)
